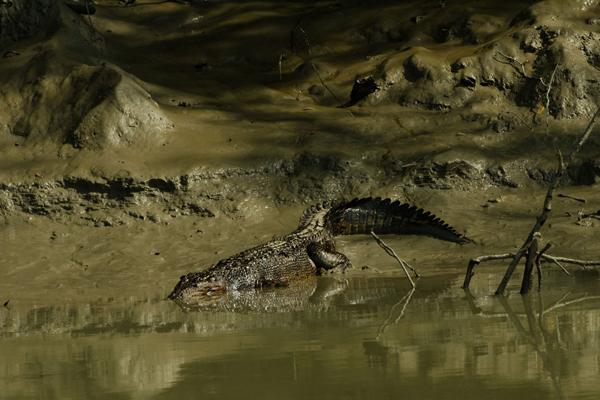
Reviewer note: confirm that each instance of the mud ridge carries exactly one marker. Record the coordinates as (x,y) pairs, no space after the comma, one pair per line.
(108,201)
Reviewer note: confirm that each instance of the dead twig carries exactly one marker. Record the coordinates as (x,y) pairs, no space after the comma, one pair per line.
(566,196)
(538,264)
(280,65)
(405,265)
(532,252)
(581,215)
(314,67)
(516,64)
(312,64)
(546,257)
(548,87)
(87,10)
(574,261)
(474,262)
(305,37)
(541,256)
(547,207)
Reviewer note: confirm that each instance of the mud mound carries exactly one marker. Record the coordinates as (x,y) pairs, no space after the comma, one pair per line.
(25,18)
(498,60)
(87,106)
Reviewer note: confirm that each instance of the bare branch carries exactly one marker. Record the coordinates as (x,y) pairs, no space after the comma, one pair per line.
(314,67)
(548,89)
(474,262)
(540,257)
(574,261)
(547,208)
(532,251)
(538,264)
(312,64)
(516,64)
(280,66)
(494,257)
(553,260)
(584,138)
(405,266)
(566,196)
(87,10)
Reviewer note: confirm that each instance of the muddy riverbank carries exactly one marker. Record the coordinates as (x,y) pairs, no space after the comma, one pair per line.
(181,116)
(172,108)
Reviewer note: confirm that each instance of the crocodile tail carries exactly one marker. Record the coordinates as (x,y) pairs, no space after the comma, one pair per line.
(384,216)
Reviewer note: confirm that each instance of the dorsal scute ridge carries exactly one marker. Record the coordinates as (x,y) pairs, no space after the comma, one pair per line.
(387,216)
(311,211)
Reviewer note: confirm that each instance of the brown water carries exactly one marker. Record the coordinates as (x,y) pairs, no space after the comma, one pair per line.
(374,340)
(87,319)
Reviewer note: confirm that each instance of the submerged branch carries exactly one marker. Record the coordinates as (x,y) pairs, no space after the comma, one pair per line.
(538,264)
(404,301)
(540,256)
(474,262)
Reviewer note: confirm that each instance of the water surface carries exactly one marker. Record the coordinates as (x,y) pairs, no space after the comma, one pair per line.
(369,337)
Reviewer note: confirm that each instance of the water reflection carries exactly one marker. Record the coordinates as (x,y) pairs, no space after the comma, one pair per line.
(356,338)
(313,292)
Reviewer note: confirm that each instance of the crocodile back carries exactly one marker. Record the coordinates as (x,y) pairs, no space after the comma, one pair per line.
(274,263)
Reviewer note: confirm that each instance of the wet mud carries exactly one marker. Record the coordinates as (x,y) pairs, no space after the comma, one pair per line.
(193,108)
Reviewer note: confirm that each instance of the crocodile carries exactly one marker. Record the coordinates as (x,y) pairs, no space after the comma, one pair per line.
(310,249)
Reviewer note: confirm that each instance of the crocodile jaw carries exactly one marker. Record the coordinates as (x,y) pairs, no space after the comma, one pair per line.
(191,289)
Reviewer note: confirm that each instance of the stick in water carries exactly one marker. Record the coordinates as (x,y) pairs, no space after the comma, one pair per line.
(405,266)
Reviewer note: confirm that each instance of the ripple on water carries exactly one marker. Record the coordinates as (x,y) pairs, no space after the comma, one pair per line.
(375,338)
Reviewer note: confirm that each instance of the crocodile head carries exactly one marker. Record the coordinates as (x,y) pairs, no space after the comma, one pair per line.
(198,288)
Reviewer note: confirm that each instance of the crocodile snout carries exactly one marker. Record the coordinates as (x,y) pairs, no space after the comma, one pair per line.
(193,289)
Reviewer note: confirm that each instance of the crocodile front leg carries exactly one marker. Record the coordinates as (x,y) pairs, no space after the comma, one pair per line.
(325,257)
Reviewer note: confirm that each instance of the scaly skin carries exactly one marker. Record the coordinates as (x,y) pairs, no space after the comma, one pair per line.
(309,248)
